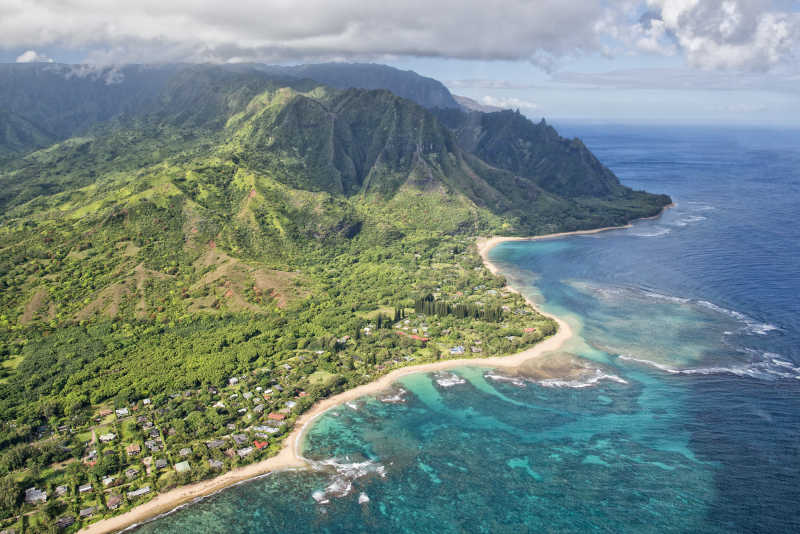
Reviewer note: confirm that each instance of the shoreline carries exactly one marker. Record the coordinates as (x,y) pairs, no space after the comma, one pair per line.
(290,458)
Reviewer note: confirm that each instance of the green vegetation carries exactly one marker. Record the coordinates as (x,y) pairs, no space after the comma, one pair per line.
(179,284)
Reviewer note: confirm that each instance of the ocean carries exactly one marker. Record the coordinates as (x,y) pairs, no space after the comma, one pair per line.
(691,422)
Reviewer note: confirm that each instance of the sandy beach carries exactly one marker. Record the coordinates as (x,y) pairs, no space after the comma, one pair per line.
(290,457)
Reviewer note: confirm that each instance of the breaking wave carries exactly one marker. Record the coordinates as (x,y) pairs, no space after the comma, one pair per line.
(516,381)
(344,475)
(767,366)
(447,380)
(654,232)
(585,381)
(751,325)
(579,383)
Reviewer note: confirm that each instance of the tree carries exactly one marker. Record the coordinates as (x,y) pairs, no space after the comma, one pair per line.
(10,494)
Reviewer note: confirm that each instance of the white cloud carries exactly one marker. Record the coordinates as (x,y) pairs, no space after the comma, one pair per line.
(508,103)
(271,30)
(711,34)
(31,56)
(727,34)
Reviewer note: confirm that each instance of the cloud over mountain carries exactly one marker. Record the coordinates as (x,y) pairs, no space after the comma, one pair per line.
(749,34)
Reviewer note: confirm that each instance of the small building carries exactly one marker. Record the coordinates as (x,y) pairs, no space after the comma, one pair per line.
(233,381)
(104,412)
(291,404)
(215,464)
(457,350)
(260,444)
(34,495)
(215,444)
(133,449)
(240,439)
(85,488)
(152,445)
(113,501)
(244,452)
(277,416)
(107,481)
(131,473)
(183,467)
(138,493)
(122,412)
(161,463)
(146,402)
(258,408)
(265,428)
(107,438)
(61,490)
(184,452)
(65,521)
(87,512)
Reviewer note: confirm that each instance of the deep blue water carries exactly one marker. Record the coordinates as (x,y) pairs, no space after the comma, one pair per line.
(691,424)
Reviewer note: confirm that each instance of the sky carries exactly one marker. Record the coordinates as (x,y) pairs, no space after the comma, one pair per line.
(671,61)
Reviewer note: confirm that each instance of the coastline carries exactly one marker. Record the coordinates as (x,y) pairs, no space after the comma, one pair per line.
(290,457)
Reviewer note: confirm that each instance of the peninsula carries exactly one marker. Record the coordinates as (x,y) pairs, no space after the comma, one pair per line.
(205,259)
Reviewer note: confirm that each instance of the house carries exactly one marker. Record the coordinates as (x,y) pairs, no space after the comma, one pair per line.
(247,395)
(34,495)
(233,381)
(113,501)
(146,402)
(260,444)
(244,452)
(291,404)
(186,451)
(137,493)
(161,463)
(154,433)
(264,428)
(61,490)
(218,404)
(85,488)
(277,416)
(133,449)
(215,464)
(476,349)
(131,473)
(302,394)
(104,412)
(87,512)
(152,445)
(183,467)
(457,350)
(259,408)
(107,438)
(107,481)
(142,419)
(240,439)
(122,412)
(65,521)
(215,444)
(212,390)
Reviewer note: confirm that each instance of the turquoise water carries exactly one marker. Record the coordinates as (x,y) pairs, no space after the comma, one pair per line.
(692,426)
